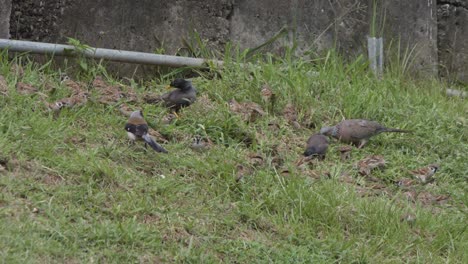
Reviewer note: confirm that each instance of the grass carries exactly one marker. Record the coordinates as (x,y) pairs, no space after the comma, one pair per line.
(73,190)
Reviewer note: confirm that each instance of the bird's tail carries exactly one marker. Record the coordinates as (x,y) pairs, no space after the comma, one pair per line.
(153,99)
(396,130)
(150,141)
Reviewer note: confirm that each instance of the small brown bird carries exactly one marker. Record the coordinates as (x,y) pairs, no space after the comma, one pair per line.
(137,128)
(183,96)
(268,96)
(199,144)
(357,131)
(317,146)
(249,111)
(366,165)
(24,88)
(345,152)
(290,114)
(425,174)
(405,182)
(3,86)
(76,100)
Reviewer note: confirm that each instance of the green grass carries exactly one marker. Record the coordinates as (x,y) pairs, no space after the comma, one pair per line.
(101,200)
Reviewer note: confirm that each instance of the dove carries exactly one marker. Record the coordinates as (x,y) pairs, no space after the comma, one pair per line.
(425,174)
(137,128)
(317,145)
(357,131)
(184,95)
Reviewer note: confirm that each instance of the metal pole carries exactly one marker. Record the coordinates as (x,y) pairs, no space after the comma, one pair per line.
(108,54)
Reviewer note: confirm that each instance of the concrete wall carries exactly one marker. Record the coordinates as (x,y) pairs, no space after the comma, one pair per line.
(414,24)
(5,8)
(148,25)
(453,39)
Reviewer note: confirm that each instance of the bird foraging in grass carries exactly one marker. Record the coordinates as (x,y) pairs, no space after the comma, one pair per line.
(317,146)
(357,131)
(366,165)
(184,95)
(137,129)
(425,174)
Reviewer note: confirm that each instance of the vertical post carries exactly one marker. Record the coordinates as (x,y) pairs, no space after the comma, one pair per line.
(5,9)
(375,53)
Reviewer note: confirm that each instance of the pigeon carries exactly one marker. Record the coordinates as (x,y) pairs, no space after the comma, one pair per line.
(357,131)
(317,146)
(137,128)
(425,174)
(183,96)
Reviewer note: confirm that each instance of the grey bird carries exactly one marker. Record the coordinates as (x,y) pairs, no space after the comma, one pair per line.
(317,146)
(137,128)
(357,131)
(184,95)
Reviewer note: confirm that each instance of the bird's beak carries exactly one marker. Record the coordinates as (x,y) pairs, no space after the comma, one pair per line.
(168,87)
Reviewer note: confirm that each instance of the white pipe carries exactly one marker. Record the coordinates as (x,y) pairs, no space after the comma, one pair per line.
(453,92)
(108,54)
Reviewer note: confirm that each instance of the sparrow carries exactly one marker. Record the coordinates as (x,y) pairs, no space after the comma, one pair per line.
(74,86)
(125,110)
(3,86)
(199,144)
(405,182)
(99,83)
(290,114)
(184,95)
(249,111)
(268,96)
(345,152)
(76,100)
(357,131)
(317,146)
(137,128)
(366,165)
(110,94)
(72,101)
(425,174)
(24,88)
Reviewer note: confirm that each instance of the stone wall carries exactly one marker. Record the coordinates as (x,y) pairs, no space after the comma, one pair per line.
(5,8)
(149,25)
(453,39)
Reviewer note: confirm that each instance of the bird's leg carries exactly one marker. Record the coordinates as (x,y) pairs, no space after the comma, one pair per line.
(362,143)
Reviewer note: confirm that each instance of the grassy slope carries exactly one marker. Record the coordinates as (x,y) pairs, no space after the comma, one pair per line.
(100,199)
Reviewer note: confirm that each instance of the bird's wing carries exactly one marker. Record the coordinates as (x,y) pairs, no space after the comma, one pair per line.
(138,130)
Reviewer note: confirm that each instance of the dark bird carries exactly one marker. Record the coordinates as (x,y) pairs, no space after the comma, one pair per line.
(357,131)
(137,128)
(184,95)
(317,145)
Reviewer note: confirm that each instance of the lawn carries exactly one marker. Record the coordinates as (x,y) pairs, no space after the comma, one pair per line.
(74,190)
